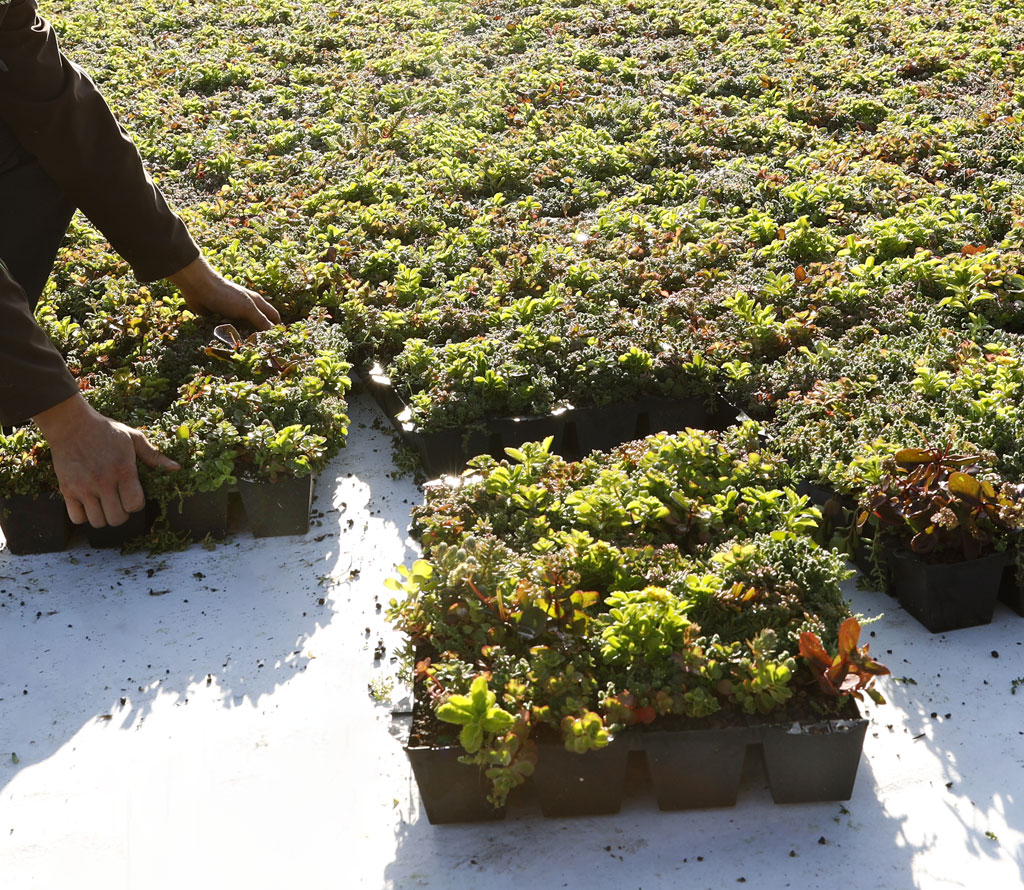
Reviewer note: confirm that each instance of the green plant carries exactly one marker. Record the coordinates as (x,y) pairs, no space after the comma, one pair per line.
(204,444)
(494,740)
(269,453)
(584,733)
(759,682)
(477,714)
(26,467)
(583,592)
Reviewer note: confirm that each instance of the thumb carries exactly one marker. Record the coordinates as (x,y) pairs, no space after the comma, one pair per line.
(145,452)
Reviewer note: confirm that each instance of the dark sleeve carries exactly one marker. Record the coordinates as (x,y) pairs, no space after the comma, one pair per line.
(33,376)
(59,116)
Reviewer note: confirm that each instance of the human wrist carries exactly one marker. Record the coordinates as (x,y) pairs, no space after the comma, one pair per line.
(196,275)
(65,419)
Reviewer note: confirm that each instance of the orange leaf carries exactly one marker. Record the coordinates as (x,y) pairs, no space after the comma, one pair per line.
(849,633)
(811,648)
(800,274)
(972,249)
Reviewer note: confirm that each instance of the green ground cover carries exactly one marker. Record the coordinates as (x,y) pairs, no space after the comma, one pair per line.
(592,199)
(513,207)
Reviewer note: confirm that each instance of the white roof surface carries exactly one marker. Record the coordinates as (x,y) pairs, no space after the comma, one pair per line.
(200,720)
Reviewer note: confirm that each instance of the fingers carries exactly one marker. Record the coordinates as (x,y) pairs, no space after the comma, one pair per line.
(253,308)
(94,511)
(265,309)
(106,502)
(76,512)
(130,497)
(113,511)
(218,296)
(257,319)
(95,462)
(145,452)
(207,291)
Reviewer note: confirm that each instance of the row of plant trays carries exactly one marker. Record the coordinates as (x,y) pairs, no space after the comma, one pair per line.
(690,768)
(34,524)
(576,432)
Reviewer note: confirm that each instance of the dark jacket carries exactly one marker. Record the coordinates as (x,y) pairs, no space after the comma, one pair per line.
(58,116)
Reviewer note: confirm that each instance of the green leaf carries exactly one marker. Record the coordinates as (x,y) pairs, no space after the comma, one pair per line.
(471,737)
(498,720)
(456,710)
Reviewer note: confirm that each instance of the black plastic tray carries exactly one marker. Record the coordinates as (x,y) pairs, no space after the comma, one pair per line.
(575,432)
(806,762)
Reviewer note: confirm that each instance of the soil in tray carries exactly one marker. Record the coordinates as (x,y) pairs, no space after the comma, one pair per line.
(426,730)
(805,708)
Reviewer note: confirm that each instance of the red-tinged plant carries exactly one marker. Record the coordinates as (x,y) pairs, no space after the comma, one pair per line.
(939,506)
(849,672)
(624,708)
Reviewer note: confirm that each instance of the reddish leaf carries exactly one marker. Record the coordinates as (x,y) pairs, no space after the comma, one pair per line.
(849,633)
(811,649)
(646,714)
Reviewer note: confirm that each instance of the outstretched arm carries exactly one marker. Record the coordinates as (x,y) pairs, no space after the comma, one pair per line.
(57,113)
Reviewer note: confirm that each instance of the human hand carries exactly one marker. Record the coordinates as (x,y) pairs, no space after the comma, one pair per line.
(206,291)
(95,460)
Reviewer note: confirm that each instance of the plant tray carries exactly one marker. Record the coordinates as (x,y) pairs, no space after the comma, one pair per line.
(813,762)
(451,791)
(672,754)
(947,595)
(277,508)
(116,536)
(590,784)
(201,514)
(1011,586)
(34,524)
(575,431)
(690,769)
